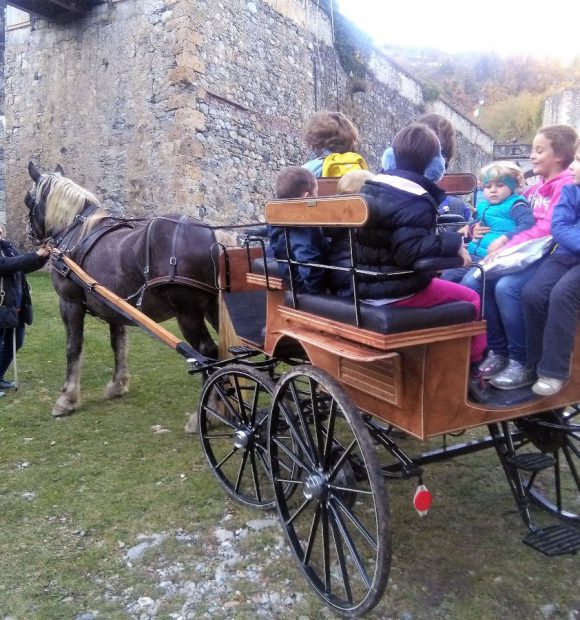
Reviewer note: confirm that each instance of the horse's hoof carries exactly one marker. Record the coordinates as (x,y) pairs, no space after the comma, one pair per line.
(62,409)
(115,390)
(191,426)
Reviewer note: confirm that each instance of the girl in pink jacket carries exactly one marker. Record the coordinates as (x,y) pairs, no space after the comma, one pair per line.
(505,364)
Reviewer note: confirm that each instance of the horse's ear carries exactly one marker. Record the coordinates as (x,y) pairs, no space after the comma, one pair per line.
(33,172)
(59,170)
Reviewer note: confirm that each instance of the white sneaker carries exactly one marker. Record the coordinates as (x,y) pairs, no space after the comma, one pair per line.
(547,386)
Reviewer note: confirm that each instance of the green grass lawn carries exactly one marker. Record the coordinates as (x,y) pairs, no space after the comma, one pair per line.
(77,493)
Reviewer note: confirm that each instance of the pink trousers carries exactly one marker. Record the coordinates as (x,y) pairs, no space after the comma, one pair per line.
(441,292)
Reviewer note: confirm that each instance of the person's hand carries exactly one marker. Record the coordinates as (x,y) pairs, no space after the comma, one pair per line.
(496,245)
(464,254)
(478,230)
(43,251)
(490,256)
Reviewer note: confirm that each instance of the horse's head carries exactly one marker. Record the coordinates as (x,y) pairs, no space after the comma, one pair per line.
(54,202)
(37,205)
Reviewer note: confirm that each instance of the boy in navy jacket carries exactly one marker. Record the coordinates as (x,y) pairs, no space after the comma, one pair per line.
(551,299)
(307,244)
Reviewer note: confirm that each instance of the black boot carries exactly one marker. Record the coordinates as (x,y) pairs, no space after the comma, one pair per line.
(477,387)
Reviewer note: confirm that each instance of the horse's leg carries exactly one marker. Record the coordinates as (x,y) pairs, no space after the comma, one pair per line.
(119,384)
(212,312)
(73,316)
(194,330)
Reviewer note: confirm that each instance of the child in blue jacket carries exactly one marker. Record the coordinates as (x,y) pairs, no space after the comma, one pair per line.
(307,244)
(551,299)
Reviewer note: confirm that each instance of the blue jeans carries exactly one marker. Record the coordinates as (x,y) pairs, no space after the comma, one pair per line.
(551,304)
(6,352)
(506,330)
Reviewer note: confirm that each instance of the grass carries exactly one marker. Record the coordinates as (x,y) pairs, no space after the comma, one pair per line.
(77,493)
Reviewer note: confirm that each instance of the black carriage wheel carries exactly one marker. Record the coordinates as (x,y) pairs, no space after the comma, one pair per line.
(233,419)
(556,488)
(337,523)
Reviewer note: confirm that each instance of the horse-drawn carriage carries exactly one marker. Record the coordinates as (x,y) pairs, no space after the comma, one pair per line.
(304,412)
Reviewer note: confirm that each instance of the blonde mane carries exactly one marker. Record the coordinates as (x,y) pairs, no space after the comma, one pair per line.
(64,201)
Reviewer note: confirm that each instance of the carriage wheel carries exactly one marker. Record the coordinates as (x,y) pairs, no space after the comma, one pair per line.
(337,523)
(555,435)
(233,414)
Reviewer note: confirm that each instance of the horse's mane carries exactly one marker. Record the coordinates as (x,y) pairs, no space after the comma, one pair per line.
(64,200)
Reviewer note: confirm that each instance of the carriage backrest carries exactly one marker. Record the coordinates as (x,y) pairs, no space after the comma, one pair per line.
(327,186)
(458,184)
(350,211)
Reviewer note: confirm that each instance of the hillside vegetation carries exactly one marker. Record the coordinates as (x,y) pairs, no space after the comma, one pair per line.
(505,96)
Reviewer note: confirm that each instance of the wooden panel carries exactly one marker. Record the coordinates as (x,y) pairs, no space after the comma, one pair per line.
(341,211)
(460,183)
(238,269)
(260,280)
(327,186)
(381,378)
(293,317)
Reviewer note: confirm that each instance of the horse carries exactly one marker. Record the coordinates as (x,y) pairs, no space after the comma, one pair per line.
(165,266)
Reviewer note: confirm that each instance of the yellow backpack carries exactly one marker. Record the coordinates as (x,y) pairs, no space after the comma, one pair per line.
(338,164)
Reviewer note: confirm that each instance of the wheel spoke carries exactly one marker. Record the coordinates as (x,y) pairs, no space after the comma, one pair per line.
(255,475)
(298,512)
(297,460)
(350,544)
(356,522)
(226,458)
(221,418)
(336,467)
(312,535)
(309,450)
(341,560)
(327,450)
(240,399)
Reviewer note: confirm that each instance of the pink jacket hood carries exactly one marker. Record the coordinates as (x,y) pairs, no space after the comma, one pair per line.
(543,197)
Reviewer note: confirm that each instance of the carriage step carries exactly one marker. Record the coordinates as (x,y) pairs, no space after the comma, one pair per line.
(531,461)
(241,350)
(554,540)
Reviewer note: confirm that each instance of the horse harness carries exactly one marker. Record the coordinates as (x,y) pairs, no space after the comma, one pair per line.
(78,251)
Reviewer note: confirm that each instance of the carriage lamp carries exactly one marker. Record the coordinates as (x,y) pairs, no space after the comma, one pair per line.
(422,500)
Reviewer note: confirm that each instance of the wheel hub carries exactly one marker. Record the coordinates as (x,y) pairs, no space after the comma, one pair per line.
(314,487)
(242,438)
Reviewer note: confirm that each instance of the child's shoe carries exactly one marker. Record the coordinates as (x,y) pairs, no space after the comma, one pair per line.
(513,376)
(547,386)
(476,387)
(492,364)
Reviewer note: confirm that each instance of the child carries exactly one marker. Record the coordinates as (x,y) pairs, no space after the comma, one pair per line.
(505,365)
(501,212)
(446,133)
(307,244)
(404,204)
(352,182)
(551,299)
(332,138)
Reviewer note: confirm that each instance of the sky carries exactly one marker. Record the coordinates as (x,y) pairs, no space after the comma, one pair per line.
(507,27)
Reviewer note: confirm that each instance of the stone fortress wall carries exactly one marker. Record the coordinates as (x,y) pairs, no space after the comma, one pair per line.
(563,108)
(190,106)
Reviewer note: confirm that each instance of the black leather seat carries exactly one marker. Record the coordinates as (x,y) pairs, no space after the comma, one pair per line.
(384,319)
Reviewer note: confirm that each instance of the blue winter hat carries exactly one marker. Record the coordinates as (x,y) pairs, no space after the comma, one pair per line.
(388,160)
(436,168)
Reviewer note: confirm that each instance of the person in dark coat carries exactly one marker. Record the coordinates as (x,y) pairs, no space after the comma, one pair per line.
(403,205)
(15,301)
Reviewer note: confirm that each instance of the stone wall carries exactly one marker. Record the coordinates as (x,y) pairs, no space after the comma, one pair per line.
(2,121)
(190,106)
(563,108)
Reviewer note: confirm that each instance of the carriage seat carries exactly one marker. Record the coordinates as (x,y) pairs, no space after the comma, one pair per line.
(272,264)
(386,319)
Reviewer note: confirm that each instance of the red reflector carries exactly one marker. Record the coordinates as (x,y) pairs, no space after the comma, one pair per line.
(422,500)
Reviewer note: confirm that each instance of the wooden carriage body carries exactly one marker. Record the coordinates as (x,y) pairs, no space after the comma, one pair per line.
(415,379)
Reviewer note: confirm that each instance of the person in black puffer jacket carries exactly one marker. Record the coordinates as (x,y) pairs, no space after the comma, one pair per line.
(15,302)
(403,205)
